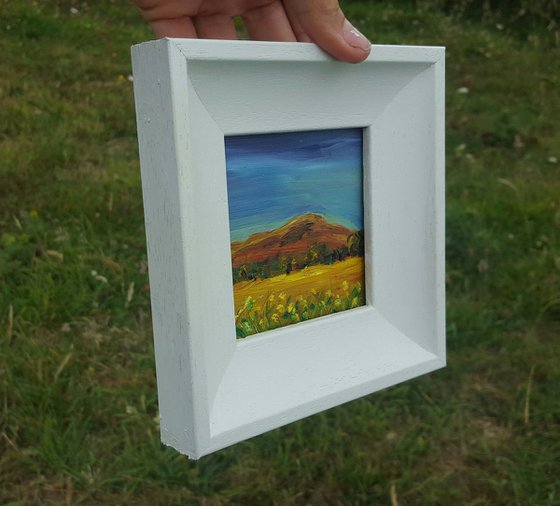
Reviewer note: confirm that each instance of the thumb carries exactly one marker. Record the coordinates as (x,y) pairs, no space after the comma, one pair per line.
(325,24)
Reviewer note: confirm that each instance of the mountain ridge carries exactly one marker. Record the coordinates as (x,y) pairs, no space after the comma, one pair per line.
(292,239)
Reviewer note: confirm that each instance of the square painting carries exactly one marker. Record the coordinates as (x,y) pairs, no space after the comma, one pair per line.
(296,226)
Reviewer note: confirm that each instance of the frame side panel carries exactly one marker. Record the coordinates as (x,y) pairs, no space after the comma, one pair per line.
(159,159)
(405,267)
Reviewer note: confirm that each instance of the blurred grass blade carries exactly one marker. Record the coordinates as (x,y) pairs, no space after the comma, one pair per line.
(528,396)
(62,365)
(10,329)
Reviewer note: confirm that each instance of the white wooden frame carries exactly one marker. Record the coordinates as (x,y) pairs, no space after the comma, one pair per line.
(215,390)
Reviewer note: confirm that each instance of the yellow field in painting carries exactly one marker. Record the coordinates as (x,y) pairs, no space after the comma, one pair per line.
(318,277)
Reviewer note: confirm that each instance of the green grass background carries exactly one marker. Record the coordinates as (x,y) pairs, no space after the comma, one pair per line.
(78,406)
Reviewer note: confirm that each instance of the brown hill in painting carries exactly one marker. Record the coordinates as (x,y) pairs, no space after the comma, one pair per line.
(291,239)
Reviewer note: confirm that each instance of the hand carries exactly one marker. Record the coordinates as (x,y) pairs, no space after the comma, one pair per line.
(319,21)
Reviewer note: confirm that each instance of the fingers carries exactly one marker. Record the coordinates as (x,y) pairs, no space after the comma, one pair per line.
(215,27)
(319,21)
(299,32)
(177,27)
(168,18)
(269,22)
(325,24)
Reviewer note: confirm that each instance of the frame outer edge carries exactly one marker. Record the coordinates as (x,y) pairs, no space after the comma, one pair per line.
(440,205)
(250,50)
(160,72)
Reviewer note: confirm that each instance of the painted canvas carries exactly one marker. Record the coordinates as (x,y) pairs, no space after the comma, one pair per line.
(296,225)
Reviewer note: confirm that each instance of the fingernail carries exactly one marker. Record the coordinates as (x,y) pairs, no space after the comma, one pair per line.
(354,38)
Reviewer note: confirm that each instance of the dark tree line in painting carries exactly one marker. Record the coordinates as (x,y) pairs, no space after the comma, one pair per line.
(319,253)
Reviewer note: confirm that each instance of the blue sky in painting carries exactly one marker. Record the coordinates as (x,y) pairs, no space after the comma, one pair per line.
(273,177)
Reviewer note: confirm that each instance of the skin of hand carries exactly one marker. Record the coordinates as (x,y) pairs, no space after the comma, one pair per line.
(318,21)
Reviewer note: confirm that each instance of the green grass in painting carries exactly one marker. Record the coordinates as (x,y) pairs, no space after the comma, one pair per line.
(280,309)
(78,405)
(311,292)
